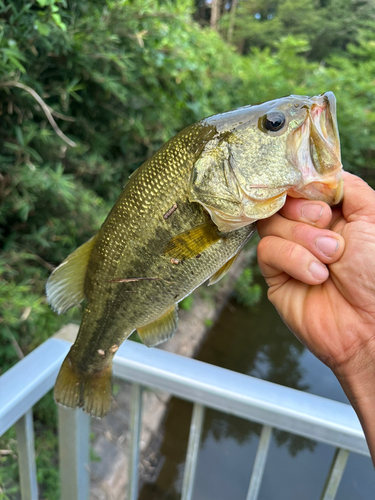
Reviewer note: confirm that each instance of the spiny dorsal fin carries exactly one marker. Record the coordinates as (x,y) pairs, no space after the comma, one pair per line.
(65,286)
(223,270)
(161,329)
(192,242)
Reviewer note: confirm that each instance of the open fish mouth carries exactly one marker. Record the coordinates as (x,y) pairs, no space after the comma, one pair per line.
(316,153)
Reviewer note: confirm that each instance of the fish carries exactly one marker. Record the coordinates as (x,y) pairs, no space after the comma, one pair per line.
(182,219)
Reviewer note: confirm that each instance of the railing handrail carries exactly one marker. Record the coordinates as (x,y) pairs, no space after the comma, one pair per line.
(29,380)
(261,401)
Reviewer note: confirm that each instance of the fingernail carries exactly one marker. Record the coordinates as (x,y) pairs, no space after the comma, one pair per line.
(318,271)
(312,212)
(327,245)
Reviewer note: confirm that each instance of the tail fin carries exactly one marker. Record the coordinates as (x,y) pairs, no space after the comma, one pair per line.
(91,391)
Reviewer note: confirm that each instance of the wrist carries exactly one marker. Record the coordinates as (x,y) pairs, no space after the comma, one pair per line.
(357,374)
(357,378)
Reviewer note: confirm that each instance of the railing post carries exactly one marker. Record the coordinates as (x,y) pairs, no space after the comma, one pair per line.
(26,456)
(260,463)
(135,434)
(74,444)
(335,474)
(196,427)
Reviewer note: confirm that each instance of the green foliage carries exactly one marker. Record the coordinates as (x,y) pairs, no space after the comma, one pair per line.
(329,26)
(187,303)
(246,291)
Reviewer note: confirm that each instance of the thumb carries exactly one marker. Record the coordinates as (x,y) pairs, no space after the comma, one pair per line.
(359,199)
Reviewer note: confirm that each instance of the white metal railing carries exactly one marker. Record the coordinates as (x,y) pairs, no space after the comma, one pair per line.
(205,385)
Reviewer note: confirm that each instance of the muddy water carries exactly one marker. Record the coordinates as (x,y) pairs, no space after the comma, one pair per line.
(255,342)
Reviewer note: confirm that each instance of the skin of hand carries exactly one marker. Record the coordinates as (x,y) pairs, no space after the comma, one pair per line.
(319,264)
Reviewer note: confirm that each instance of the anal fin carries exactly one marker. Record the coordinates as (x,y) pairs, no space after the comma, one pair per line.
(161,329)
(65,286)
(192,242)
(223,270)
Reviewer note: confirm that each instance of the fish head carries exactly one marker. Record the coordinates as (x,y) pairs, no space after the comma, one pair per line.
(257,155)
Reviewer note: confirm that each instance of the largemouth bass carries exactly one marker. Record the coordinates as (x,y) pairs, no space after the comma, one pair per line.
(182,218)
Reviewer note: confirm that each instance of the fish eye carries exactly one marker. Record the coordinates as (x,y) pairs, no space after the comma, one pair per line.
(273,121)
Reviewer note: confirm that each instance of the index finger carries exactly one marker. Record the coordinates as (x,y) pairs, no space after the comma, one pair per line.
(315,213)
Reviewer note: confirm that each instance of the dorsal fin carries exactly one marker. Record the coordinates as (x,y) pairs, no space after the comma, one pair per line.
(65,286)
(192,242)
(223,270)
(161,329)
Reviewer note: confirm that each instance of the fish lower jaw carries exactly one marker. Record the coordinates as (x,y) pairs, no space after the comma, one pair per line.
(251,211)
(329,190)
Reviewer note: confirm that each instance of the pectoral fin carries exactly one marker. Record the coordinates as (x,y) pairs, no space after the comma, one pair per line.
(193,242)
(161,329)
(65,286)
(223,270)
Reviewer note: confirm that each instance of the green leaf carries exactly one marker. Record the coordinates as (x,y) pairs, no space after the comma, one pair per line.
(19,135)
(42,28)
(16,62)
(24,211)
(58,21)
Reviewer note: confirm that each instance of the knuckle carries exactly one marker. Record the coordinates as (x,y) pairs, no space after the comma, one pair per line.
(297,231)
(292,252)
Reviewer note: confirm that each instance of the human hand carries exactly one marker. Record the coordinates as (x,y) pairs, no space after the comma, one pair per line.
(320,267)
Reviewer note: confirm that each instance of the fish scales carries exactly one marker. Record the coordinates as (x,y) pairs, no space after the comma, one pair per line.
(143,232)
(182,218)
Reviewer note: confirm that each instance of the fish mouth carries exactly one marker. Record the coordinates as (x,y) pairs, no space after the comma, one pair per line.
(331,192)
(316,153)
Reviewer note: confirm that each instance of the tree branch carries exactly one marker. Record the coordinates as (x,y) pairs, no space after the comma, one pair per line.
(45,108)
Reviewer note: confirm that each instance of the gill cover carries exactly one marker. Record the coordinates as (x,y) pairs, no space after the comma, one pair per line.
(238,180)
(214,185)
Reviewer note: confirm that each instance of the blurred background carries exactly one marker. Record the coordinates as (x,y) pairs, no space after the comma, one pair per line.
(120,78)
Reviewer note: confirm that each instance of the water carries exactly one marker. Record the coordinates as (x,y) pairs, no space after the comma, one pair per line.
(257,343)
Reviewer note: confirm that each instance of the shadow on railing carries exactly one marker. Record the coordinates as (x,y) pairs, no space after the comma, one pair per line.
(205,385)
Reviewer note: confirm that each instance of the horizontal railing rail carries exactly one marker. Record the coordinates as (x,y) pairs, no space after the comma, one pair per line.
(205,385)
